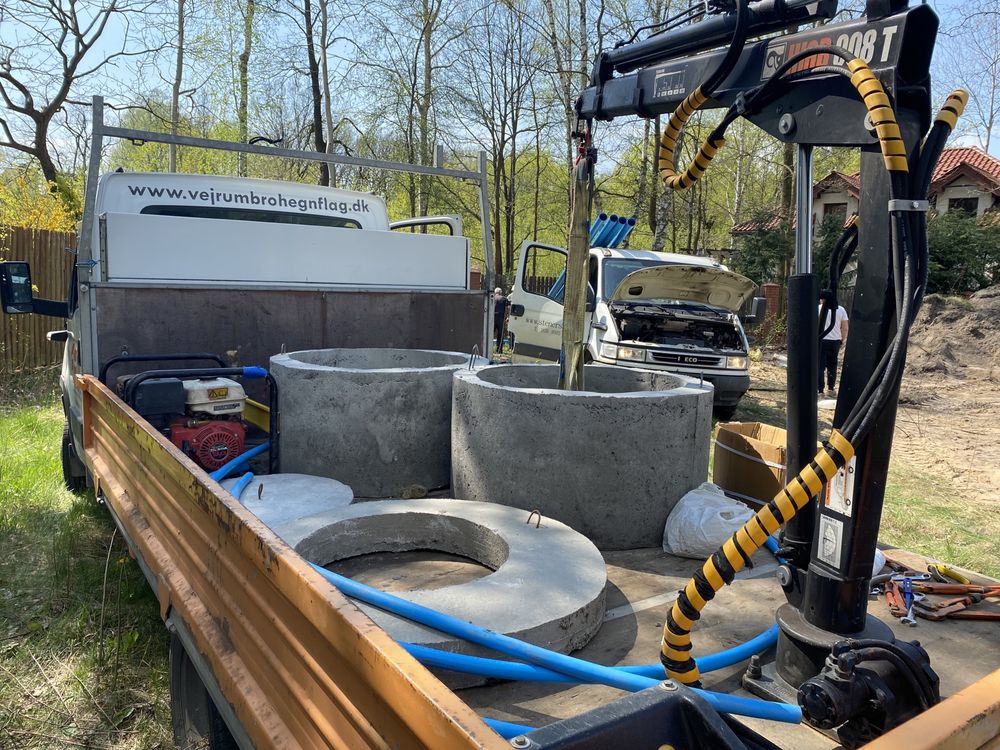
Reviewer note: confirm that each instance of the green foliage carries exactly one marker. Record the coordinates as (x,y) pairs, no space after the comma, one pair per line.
(764,252)
(964,253)
(27,201)
(824,240)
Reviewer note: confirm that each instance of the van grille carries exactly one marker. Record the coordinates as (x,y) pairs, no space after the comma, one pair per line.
(690,360)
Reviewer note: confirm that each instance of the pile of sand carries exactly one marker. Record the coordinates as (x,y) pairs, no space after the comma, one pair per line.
(958,337)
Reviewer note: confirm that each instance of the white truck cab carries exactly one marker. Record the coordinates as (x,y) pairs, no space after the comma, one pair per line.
(645,309)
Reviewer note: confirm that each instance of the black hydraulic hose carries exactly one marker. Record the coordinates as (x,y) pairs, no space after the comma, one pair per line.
(733,52)
(903,665)
(663,26)
(892,647)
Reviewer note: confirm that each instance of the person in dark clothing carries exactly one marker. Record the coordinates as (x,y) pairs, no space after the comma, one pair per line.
(500,305)
(833,320)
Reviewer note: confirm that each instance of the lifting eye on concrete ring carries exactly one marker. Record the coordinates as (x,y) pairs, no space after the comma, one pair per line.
(554,568)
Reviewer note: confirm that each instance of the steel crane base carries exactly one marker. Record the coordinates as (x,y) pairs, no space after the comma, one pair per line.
(800,654)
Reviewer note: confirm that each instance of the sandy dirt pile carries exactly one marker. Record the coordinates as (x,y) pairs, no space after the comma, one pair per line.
(957,337)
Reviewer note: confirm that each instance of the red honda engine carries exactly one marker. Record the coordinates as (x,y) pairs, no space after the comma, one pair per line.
(210,443)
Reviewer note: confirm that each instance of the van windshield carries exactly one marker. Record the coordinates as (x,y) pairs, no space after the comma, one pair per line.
(251,214)
(616,269)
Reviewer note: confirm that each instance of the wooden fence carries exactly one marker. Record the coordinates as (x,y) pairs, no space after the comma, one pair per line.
(22,337)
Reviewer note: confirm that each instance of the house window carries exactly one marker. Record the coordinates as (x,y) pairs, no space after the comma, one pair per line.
(836,211)
(968,206)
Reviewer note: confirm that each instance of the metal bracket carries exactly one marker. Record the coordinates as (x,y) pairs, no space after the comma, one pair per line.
(900,204)
(86,263)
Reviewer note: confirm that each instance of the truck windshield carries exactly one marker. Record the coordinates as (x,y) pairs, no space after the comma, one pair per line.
(250,214)
(616,269)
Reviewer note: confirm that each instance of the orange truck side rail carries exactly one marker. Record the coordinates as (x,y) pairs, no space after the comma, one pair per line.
(967,720)
(298,663)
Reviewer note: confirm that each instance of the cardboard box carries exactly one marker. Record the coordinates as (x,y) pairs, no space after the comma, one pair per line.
(750,461)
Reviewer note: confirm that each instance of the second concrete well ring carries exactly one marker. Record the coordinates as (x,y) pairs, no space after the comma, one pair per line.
(547,584)
(376,419)
(610,461)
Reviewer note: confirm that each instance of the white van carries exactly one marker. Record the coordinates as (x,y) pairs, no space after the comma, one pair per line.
(645,309)
(238,269)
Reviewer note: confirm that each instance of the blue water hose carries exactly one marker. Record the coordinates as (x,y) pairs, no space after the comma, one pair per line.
(544,664)
(505,729)
(241,485)
(506,670)
(241,460)
(582,670)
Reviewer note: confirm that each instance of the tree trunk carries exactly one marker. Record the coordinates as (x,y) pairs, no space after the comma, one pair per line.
(317,97)
(324,57)
(244,65)
(175,93)
(426,99)
(787,200)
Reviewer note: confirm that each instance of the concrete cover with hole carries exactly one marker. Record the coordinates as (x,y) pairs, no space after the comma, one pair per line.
(278,498)
(611,461)
(376,419)
(547,586)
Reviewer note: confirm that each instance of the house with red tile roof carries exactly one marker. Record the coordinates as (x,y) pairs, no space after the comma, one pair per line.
(966,179)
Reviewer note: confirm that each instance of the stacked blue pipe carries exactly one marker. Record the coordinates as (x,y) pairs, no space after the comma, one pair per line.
(610,231)
(597,227)
(607,229)
(627,225)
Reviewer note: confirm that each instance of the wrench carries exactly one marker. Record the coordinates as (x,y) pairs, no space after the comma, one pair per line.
(908,618)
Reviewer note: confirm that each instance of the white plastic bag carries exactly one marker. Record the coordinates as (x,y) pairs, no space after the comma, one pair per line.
(701,521)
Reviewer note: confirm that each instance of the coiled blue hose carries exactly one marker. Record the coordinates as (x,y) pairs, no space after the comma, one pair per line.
(583,671)
(543,663)
(241,485)
(241,460)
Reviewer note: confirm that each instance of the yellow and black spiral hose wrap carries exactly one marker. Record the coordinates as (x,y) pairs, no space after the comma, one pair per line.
(720,569)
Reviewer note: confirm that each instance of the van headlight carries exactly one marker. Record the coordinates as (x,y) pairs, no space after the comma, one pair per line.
(736,363)
(635,355)
(609,350)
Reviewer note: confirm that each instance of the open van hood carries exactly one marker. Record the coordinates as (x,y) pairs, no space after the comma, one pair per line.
(704,284)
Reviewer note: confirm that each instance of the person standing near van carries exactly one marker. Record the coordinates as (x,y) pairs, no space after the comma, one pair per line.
(833,317)
(500,305)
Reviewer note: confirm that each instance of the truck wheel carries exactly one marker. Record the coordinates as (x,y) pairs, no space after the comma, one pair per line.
(197,722)
(73,471)
(725,413)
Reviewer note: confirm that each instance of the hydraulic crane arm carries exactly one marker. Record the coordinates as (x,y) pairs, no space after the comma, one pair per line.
(894,46)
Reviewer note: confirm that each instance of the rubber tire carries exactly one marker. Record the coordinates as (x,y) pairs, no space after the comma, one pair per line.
(73,471)
(725,413)
(197,723)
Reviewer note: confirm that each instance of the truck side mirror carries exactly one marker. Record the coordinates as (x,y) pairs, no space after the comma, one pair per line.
(16,295)
(15,288)
(516,311)
(758,309)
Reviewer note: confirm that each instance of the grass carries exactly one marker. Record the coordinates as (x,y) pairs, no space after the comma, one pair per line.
(82,647)
(922,512)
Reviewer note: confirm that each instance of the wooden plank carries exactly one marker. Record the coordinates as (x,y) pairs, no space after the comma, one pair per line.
(300,665)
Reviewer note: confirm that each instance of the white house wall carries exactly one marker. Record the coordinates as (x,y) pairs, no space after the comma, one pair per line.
(964,189)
